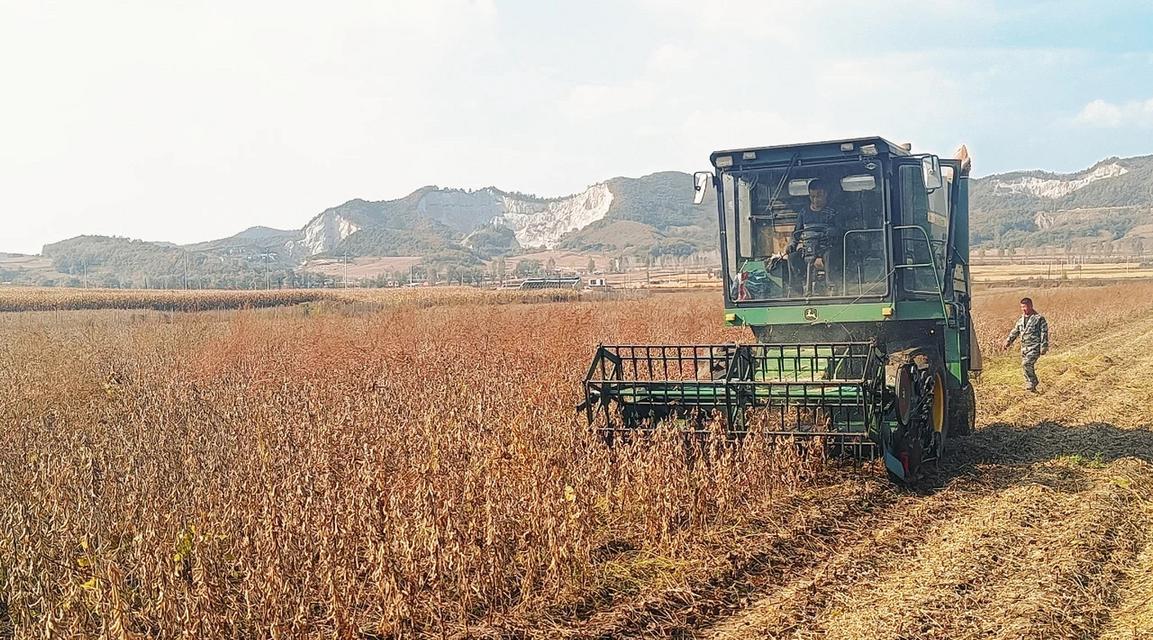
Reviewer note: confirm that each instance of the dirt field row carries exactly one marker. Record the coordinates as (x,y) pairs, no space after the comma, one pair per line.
(1039,526)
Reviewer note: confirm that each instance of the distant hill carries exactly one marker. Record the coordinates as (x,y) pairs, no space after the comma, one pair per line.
(491,241)
(251,235)
(1108,205)
(432,219)
(451,229)
(1110,202)
(648,214)
(263,243)
(116,262)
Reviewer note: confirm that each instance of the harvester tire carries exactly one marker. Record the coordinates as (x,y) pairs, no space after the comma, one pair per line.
(963,411)
(915,372)
(939,414)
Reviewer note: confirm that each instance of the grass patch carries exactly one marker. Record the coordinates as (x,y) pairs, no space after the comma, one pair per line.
(1096,461)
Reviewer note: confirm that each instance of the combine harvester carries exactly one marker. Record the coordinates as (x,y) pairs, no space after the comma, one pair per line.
(861,319)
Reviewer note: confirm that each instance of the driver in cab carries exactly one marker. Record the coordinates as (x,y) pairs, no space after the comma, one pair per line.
(817,215)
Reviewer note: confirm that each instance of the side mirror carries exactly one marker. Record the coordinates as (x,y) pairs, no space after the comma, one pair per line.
(701,182)
(931,168)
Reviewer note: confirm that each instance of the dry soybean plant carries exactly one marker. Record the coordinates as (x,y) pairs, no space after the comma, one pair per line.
(411,470)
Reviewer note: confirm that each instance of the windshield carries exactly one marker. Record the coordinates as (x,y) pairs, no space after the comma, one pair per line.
(805,232)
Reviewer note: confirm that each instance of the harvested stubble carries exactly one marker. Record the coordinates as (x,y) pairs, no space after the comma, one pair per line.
(420,470)
(1074,313)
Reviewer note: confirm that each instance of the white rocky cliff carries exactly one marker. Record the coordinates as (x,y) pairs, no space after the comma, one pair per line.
(326,231)
(540,224)
(536,222)
(1058,186)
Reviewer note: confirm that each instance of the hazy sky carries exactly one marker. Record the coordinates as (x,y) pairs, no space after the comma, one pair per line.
(186,121)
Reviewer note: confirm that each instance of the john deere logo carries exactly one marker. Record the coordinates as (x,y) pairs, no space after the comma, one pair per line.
(810,313)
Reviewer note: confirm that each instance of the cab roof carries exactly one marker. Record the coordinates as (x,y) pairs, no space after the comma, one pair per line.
(848,147)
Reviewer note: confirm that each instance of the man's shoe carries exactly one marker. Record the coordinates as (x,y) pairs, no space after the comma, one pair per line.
(1030,388)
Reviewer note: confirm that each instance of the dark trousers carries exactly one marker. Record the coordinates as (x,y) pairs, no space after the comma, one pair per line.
(798,270)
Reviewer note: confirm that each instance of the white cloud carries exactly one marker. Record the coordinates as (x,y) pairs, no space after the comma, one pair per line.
(588,101)
(675,58)
(1102,113)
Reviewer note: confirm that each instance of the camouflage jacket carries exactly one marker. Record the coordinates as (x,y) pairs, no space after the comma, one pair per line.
(1033,331)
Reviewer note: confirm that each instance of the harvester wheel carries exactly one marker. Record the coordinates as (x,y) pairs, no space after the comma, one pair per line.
(926,431)
(922,410)
(939,413)
(963,411)
(904,393)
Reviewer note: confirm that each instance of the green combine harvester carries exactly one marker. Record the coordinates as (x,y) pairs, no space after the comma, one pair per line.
(849,261)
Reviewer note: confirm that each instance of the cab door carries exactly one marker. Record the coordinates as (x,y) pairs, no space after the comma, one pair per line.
(920,233)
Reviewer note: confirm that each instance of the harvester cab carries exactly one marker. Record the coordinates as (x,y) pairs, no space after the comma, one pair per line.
(848,261)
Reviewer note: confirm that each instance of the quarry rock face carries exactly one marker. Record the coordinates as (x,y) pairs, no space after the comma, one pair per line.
(326,231)
(541,224)
(536,222)
(1057,186)
(1044,220)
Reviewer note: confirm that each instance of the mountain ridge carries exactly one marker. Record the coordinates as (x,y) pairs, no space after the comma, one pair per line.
(1108,203)
(1100,204)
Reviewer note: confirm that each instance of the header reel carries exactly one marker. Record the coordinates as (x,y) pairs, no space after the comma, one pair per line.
(835,392)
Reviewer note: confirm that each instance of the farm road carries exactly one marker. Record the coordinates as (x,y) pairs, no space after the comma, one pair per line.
(1039,526)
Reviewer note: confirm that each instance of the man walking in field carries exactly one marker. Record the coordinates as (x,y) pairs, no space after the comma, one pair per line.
(1033,330)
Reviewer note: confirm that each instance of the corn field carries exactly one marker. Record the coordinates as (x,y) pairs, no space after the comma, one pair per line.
(62,299)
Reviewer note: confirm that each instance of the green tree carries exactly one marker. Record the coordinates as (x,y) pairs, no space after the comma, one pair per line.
(528,267)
